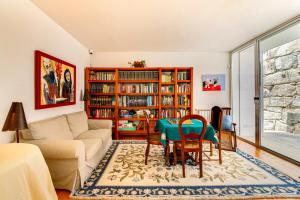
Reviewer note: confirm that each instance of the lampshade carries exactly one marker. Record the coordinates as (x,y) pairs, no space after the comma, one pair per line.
(86,95)
(15,119)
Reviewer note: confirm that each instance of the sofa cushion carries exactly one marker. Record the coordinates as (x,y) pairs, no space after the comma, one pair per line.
(104,134)
(91,147)
(78,122)
(53,128)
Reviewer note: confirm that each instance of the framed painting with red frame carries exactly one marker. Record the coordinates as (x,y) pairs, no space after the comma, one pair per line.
(55,81)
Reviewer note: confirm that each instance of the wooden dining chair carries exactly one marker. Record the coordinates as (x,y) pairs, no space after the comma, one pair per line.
(190,142)
(230,142)
(152,139)
(216,123)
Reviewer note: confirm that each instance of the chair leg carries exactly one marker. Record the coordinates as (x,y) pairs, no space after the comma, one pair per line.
(220,152)
(200,160)
(211,149)
(147,153)
(235,143)
(183,162)
(174,154)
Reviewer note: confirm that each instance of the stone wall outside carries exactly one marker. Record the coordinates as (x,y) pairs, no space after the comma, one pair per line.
(281,79)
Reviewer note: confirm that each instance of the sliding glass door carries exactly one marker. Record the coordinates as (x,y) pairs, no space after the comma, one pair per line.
(279,56)
(243,91)
(265,86)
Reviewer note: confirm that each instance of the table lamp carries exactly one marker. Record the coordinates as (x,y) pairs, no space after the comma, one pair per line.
(15,119)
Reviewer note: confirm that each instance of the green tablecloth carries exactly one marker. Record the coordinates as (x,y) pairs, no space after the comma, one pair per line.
(170,131)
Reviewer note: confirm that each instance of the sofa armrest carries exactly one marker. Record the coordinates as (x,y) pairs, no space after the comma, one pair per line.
(60,149)
(95,124)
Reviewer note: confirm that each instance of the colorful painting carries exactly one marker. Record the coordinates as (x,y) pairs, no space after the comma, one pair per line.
(213,82)
(55,82)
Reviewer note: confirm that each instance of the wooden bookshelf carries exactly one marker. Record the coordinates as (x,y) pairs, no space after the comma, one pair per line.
(165,91)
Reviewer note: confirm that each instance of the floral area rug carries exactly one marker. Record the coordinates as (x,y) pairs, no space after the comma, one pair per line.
(122,174)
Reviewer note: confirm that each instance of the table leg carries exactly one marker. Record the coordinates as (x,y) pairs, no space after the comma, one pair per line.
(167,153)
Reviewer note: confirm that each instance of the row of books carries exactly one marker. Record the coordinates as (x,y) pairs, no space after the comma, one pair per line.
(104,76)
(135,114)
(167,77)
(134,101)
(184,101)
(184,87)
(102,113)
(138,88)
(167,100)
(182,112)
(167,113)
(167,88)
(138,75)
(183,76)
(102,88)
(103,101)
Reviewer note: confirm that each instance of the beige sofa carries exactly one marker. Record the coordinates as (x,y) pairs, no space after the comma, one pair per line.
(72,146)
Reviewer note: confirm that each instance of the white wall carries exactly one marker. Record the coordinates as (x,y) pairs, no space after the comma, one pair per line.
(25,28)
(203,63)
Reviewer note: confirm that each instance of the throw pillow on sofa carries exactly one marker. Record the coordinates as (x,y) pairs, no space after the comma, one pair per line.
(78,123)
(53,128)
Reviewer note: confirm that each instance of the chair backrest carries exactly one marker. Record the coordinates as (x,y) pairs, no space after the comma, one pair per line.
(216,117)
(147,124)
(192,136)
(226,110)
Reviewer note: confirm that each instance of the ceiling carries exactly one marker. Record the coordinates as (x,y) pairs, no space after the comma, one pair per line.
(167,25)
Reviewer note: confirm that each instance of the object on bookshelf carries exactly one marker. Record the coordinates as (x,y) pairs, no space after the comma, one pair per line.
(167,89)
(183,75)
(102,113)
(167,113)
(167,77)
(137,101)
(102,88)
(138,75)
(126,126)
(167,100)
(138,64)
(138,88)
(103,100)
(182,112)
(183,87)
(102,76)
(184,100)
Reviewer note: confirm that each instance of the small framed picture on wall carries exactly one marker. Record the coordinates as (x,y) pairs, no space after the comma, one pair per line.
(213,82)
(55,81)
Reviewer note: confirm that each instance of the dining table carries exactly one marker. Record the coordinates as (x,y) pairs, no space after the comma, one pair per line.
(169,132)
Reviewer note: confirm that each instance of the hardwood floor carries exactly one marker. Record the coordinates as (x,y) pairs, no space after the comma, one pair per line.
(278,163)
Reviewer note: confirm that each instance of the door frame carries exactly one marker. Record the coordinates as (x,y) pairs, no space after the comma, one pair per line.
(258,83)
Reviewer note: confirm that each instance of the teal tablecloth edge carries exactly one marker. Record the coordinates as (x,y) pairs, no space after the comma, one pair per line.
(170,131)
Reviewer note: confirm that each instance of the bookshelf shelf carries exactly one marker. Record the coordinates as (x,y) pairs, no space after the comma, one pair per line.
(138,81)
(184,93)
(167,83)
(168,93)
(102,94)
(101,81)
(96,106)
(137,94)
(183,81)
(138,107)
(166,89)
